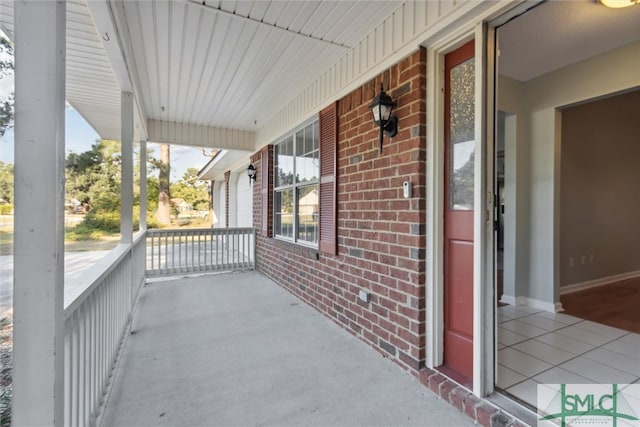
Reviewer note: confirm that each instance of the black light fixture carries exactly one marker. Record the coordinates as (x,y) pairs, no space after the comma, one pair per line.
(251,171)
(381,107)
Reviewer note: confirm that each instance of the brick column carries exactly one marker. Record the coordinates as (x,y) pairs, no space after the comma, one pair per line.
(227,174)
(212,183)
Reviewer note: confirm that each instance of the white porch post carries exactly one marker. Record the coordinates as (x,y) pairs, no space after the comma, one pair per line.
(126,187)
(143,185)
(38,337)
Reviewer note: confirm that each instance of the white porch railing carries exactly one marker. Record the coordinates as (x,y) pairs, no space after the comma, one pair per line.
(199,250)
(95,327)
(97,321)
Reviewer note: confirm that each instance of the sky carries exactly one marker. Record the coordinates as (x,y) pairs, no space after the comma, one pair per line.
(79,136)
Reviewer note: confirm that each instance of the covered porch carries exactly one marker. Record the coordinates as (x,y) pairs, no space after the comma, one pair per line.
(284,87)
(237,349)
(203,73)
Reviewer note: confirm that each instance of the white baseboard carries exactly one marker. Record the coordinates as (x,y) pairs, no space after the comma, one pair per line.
(551,307)
(598,282)
(533,303)
(508,299)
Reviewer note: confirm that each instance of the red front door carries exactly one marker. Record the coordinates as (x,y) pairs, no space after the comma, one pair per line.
(458,215)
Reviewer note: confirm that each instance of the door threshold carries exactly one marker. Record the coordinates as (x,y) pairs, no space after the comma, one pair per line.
(455,376)
(514,407)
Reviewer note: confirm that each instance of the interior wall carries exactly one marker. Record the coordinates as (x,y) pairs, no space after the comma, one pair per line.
(538,101)
(600,226)
(511,100)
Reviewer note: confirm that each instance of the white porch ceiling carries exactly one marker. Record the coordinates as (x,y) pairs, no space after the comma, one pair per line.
(213,72)
(230,64)
(210,66)
(91,86)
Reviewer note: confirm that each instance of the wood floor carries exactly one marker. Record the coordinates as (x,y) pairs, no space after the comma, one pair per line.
(616,304)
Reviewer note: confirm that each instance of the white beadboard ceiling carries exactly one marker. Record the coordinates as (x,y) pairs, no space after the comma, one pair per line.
(232,64)
(221,64)
(91,86)
(227,67)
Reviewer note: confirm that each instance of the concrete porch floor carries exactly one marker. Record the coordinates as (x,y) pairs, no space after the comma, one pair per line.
(238,350)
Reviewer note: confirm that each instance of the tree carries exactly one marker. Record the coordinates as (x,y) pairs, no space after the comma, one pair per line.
(93,178)
(6,68)
(82,171)
(191,190)
(6,183)
(164,197)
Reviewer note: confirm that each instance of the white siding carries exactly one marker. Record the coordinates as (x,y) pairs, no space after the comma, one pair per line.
(244,202)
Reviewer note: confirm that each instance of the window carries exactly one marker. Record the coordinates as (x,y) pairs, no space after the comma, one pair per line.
(296,186)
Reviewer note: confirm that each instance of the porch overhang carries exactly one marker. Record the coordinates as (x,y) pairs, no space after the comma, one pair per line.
(223,161)
(200,136)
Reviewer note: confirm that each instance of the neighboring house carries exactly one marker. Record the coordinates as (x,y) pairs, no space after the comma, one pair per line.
(184,209)
(181,205)
(403,238)
(73,206)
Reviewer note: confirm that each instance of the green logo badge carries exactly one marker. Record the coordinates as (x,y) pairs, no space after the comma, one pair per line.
(588,404)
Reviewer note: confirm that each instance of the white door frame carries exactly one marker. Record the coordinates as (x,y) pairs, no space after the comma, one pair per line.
(483,319)
(485,325)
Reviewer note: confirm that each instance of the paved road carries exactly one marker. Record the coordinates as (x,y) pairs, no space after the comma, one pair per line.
(74,264)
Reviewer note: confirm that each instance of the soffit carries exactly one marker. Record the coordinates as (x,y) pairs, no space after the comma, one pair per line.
(224,161)
(91,87)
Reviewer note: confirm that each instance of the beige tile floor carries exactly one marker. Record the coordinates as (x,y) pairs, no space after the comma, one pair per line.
(536,347)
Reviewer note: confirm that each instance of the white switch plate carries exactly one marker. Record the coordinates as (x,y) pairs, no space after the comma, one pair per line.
(364,295)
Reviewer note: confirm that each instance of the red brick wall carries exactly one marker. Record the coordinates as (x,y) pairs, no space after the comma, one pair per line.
(381,237)
(265,154)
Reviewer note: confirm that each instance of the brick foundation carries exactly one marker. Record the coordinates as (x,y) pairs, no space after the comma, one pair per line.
(479,410)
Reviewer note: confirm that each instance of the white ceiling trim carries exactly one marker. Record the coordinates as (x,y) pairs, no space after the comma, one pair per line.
(200,136)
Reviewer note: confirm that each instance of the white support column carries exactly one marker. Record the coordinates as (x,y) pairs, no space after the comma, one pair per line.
(126,187)
(38,337)
(143,185)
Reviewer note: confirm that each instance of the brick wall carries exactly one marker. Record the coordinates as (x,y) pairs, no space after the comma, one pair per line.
(381,237)
(262,193)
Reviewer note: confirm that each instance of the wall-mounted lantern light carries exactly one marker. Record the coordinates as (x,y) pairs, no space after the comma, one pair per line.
(251,171)
(381,107)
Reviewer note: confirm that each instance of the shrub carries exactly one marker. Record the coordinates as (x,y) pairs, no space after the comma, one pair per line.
(102,221)
(5,407)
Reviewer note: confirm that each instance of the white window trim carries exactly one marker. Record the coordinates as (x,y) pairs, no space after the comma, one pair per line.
(295,186)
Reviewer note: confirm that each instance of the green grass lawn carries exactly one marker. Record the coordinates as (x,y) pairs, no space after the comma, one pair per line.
(79,238)
(75,240)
